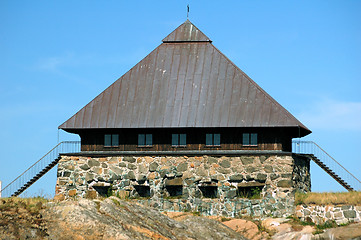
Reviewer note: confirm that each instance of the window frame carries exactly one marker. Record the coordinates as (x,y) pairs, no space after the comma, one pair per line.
(178,138)
(214,137)
(147,139)
(113,140)
(252,139)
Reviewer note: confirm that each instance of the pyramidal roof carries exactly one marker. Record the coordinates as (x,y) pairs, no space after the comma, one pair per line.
(184,83)
(186,32)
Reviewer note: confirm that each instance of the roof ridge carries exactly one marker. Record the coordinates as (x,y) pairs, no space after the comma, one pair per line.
(186,32)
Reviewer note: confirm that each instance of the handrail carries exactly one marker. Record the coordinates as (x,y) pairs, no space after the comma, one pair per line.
(38,166)
(310,147)
(337,163)
(302,147)
(30,167)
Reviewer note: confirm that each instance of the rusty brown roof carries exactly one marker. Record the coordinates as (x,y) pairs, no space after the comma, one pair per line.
(185,82)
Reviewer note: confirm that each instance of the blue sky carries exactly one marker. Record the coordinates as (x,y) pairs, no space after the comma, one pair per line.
(56,56)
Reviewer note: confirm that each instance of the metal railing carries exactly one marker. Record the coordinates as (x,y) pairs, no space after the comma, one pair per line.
(302,147)
(40,165)
(309,147)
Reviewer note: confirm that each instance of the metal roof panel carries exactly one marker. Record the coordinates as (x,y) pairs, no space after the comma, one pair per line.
(186,32)
(183,84)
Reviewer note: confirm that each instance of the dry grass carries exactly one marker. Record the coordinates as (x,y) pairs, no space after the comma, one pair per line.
(21,215)
(33,205)
(329,198)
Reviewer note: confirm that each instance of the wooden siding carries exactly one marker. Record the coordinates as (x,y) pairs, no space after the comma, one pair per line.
(231,139)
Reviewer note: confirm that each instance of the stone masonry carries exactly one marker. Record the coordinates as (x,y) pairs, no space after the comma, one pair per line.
(320,214)
(211,185)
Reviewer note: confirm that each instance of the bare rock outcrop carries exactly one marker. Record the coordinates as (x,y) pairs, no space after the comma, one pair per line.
(117,219)
(113,218)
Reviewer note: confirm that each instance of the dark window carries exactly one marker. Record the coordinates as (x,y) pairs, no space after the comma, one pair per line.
(104,191)
(111,140)
(141,139)
(249,192)
(145,140)
(148,139)
(174,190)
(254,139)
(107,140)
(115,139)
(143,191)
(213,139)
(208,191)
(249,139)
(179,140)
(217,139)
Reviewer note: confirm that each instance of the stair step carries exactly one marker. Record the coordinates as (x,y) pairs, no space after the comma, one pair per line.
(331,173)
(36,177)
(43,171)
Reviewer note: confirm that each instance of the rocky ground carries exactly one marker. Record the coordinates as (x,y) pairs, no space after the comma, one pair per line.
(113,218)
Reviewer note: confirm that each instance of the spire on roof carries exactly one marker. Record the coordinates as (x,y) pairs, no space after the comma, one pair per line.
(186,32)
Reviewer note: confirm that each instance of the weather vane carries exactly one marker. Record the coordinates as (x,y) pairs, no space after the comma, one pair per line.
(188,11)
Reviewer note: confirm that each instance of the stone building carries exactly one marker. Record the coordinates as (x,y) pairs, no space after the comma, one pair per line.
(186,130)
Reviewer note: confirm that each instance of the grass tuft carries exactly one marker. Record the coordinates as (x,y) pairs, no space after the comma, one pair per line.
(225,219)
(196,213)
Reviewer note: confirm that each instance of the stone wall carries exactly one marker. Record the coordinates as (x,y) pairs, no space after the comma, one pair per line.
(213,185)
(301,174)
(321,214)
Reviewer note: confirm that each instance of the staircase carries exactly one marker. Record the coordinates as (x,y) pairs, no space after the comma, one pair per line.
(39,169)
(36,177)
(327,163)
(332,173)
